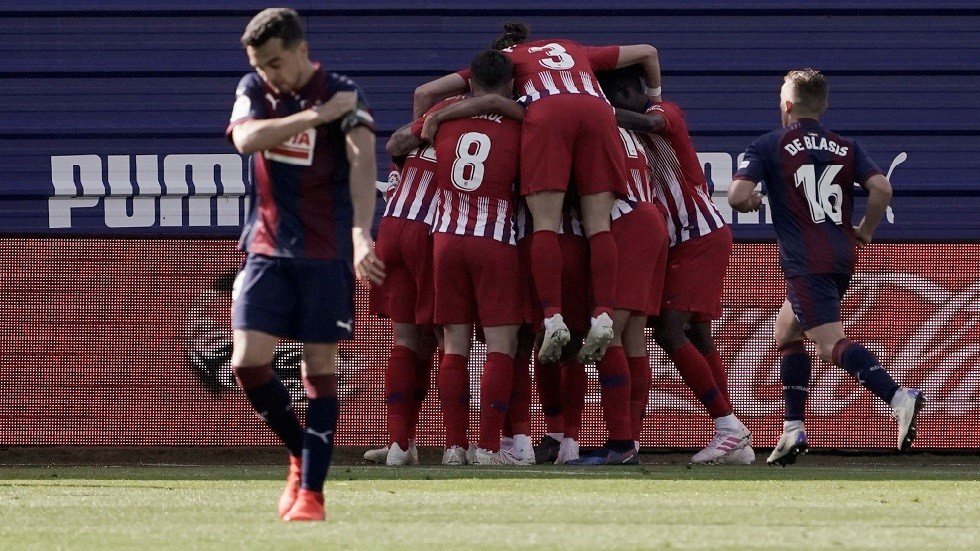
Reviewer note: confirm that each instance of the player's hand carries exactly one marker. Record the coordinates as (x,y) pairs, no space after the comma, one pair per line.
(367,265)
(750,204)
(337,106)
(429,128)
(864,237)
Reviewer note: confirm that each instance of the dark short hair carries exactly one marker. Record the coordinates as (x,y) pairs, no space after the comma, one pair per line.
(620,81)
(491,69)
(515,32)
(281,23)
(810,89)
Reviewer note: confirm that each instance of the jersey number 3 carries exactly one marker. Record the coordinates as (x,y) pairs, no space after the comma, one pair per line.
(472,151)
(559,60)
(824,197)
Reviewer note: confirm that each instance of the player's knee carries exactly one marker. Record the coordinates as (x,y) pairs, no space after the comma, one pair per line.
(825,351)
(319,360)
(785,335)
(669,337)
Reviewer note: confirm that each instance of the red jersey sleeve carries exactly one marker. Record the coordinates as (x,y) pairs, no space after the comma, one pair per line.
(668,112)
(602,58)
(417,124)
(466,74)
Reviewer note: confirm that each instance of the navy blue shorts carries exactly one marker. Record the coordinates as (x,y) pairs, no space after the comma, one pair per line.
(302,299)
(816,298)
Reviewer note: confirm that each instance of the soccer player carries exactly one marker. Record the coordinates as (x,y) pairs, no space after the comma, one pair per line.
(700,244)
(311,139)
(569,137)
(477,274)
(808,173)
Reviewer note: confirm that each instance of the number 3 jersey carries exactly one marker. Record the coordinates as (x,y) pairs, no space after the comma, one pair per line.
(477,171)
(808,173)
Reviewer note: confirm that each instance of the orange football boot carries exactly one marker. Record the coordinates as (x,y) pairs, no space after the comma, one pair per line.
(288,496)
(308,506)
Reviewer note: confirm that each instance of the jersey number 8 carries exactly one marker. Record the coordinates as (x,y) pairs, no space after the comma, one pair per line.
(472,151)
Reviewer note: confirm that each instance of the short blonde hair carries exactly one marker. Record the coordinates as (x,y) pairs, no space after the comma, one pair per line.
(809,90)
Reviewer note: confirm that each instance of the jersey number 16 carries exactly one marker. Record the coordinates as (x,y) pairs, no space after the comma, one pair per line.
(823,196)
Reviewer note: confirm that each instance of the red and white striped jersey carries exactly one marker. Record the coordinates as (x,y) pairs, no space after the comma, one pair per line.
(414,195)
(477,176)
(558,66)
(639,186)
(678,178)
(571,221)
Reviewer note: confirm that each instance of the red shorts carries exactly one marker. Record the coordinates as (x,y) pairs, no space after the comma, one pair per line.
(572,138)
(477,280)
(696,274)
(405,247)
(642,240)
(576,283)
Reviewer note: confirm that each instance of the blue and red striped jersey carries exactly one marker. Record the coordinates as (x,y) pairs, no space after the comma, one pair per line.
(301,205)
(808,173)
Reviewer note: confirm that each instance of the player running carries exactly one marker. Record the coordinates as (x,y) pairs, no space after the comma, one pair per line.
(700,245)
(569,137)
(808,173)
(311,140)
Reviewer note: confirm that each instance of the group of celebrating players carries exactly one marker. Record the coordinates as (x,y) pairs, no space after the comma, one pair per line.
(550,199)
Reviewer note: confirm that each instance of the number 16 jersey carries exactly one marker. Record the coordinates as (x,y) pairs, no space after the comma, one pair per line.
(477,172)
(808,174)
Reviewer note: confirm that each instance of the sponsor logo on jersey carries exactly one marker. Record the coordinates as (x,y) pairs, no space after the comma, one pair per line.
(297,150)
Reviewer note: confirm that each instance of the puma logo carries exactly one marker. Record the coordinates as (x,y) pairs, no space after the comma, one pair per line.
(325,435)
(349,325)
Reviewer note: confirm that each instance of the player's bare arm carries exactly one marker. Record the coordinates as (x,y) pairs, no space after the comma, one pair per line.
(472,107)
(879,196)
(432,92)
(363,174)
(640,122)
(259,135)
(647,56)
(743,197)
(402,142)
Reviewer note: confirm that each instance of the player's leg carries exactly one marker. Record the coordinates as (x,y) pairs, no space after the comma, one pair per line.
(262,307)
(546,268)
(730,433)
(519,411)
(400,386)
(603,267)
(453,382)
(794,372)
(495,390)
(574,385)
(635,344)
(699,333)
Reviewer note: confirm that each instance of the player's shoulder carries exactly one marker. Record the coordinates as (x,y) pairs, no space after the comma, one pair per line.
(251,81)
(445,103)
(770,140)
(666,108)
(338,80)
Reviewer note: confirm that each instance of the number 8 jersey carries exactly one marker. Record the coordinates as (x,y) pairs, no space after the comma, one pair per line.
(477,172)
(808,173)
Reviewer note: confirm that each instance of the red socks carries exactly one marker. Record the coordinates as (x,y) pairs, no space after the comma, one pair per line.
(495,386)
(640,380)
(697,376)
(423,378)
(454,394)
(604,263)
(399,393)
(547,377)
(546,266)
(614,382)
(519,412)
(574,384)
(718,372)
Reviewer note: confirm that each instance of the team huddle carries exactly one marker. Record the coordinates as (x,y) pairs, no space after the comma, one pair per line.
(551,200)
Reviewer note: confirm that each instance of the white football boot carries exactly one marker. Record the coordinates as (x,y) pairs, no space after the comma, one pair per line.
(379,455)
(791,445)
(413,453)
(506,444)
(556,336)
(520,452)
(568,451)
(905,409)
(398,457)
(598,338)
(723,443)
(471,453)
(455,456)
(742,456)
(487,457)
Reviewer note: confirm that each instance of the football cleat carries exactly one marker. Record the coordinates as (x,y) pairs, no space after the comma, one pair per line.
(471,453)
(596,341)
(379,455)
(556,336)
(506,443)
(308,507)
(723,443)
(399,457)
(413,453)
(742,456)
(791,445)
(486,457)
(905,409)
(605,456)
(455,455)
(521,452)
(547,450)
(289,493)
(567,451)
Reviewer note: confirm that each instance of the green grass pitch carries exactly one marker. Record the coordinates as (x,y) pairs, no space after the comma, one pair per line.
(833,503)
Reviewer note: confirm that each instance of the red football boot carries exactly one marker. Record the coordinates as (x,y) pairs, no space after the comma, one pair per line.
(289,493)
(308,506)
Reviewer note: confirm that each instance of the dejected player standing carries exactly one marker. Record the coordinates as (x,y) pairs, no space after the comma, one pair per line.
(311,140)
(700,244)
(808,173)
